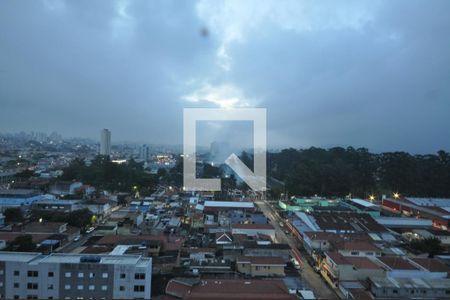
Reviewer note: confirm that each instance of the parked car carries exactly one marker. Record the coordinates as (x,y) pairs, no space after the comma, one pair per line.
(77,238)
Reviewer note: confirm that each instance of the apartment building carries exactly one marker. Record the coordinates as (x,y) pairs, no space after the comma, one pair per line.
(74,276)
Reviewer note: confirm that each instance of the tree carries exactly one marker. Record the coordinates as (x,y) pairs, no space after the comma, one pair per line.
(13,214)
(431,245)
(80,218)
(22,243)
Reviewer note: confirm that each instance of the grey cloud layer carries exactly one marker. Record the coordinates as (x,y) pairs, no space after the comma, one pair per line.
(373,73)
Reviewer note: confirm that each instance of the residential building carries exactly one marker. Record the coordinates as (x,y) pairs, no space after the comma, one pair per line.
(410,287)
(219,289)
(74,276)
(105,142)
(261,266)
(253,229)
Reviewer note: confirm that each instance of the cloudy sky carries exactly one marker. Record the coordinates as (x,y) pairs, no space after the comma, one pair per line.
(361,73)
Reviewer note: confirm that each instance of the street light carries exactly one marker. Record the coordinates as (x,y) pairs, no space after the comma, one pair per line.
(396,195)
(371,197)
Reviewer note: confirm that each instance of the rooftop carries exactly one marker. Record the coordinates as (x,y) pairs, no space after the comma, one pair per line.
(397,263)
(230,204)
(239,289)
(350,222)
(261,260)
(253,226)
(432,265)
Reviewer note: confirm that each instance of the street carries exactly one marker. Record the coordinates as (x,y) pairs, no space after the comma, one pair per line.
(318,286)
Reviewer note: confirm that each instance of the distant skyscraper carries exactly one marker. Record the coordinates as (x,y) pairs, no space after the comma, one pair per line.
(145,152)
(105,142)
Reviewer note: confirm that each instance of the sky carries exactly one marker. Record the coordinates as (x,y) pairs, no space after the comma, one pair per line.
(372,74)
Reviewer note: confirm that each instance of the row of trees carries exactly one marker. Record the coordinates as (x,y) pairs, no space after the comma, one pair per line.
(104,174)
(342,171)
(81,218)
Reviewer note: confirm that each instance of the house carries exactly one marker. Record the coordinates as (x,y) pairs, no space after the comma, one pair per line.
(358,248)
(253,229)
(261,266)
(220,289)
(336,268)
(202,254)
(409,287)
(403,267)
(223,238)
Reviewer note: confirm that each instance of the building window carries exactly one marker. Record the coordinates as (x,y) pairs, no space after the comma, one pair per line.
(50,286)
(33,273)
(80,287)
(67,287)
(68,274)
(51,274)
(80,275)
(32,296)
(16,297)
(91,275)
(139,288)
(32,286)
(91,287)
(104,287)
(139,276)
(2,272)
(121,288)
(369,253)
(395,291)
(16,273)
(123,275)
(104,275)
(354,253)
(16,285)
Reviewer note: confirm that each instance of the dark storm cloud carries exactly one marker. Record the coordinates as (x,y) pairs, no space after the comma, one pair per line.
(362,73)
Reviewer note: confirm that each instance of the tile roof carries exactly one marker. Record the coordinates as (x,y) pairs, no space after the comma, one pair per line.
(239,289)
(397,263)
(253,226)
(337,258)
(362,262)
(431,264)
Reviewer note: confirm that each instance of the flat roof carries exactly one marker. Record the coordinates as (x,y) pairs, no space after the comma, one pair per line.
(231,204)
(105,259)
(19,256)
(389,282)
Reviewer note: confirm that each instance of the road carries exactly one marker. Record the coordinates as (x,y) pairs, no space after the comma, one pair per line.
(68,248)
(318,286)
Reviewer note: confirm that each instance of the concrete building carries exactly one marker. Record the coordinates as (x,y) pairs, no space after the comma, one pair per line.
(336,268)
(73,276)
(435,209)
(144,152)
(105,142)
(20,197)
(261,266)
(254,229)
(411,287)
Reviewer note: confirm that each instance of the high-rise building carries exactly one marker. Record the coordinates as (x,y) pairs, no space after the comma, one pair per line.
(105,142)
(74,276)
(144,154)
